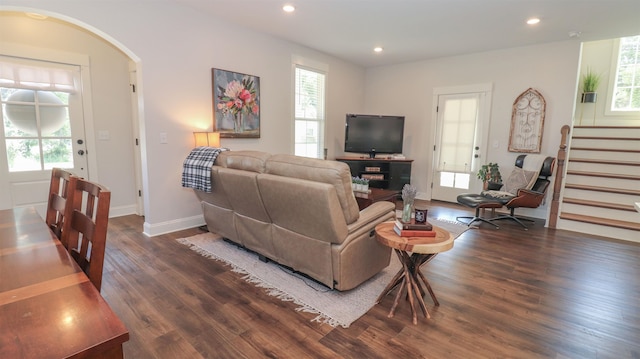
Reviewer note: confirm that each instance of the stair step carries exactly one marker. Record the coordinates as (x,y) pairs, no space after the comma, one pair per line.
(610,144)
(603,189)
(607,138)
(604,149)
(603,175)
(601,221)
(585,127)
(605,162)
(584,202)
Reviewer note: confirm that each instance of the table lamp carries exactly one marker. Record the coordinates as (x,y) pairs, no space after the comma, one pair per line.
(209,139)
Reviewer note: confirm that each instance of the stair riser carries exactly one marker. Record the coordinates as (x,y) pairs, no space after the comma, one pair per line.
(602,212)
(605,168)
(605,155)
(606,144)
(607,132)
(604,231)
(602,182)
(601,196)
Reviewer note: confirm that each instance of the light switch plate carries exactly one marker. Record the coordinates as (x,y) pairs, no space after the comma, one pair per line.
(103,135)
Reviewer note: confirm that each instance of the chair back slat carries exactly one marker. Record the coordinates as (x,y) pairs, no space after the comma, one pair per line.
(85,227)
(58,192)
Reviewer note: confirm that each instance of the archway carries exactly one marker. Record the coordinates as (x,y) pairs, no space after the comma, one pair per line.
(129,73)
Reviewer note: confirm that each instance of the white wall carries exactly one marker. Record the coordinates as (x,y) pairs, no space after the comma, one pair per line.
(176,48)
(601,57)
(110,95)
(408,89)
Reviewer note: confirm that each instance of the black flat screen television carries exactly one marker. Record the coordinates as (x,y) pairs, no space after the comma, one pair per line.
(373,134)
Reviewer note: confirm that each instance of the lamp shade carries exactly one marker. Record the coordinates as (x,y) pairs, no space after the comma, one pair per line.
(209,139)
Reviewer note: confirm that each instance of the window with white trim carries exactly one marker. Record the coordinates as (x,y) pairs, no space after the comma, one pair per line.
(626,88)
(309,112)
(35,100)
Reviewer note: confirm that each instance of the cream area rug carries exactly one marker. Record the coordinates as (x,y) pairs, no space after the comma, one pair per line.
(330,306)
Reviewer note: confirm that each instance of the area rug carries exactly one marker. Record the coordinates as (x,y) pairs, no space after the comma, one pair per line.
(330,306)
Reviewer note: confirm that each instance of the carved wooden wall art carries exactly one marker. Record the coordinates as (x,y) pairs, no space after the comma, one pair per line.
(527,122)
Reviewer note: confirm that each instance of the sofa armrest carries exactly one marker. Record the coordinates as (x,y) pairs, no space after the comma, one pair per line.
(369,217)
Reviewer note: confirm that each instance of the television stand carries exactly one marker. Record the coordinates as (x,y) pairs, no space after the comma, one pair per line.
(390,174)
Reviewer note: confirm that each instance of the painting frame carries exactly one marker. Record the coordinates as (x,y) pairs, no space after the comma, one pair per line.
(527,122)
(236,104)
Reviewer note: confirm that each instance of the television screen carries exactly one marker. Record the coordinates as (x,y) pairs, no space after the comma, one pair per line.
(373,134)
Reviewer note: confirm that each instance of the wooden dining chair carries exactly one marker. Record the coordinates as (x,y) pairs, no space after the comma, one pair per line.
(84,230)
(58,192)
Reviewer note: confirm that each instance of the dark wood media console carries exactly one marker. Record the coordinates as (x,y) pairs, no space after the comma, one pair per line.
(382,173)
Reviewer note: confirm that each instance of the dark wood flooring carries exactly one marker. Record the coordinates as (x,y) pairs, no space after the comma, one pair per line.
(504,293)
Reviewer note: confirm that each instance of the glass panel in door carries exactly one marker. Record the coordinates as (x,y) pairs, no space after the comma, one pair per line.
(458,145)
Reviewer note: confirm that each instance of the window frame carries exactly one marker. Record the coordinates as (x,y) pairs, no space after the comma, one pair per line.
(323,69)
(608,111)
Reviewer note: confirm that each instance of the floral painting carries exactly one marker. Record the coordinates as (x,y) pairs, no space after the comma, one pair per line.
(236,104)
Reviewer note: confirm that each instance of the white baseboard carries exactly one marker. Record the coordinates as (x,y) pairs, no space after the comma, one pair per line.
(157,229)
(122,211)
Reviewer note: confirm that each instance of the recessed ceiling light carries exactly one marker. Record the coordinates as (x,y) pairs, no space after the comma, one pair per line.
(289,8)
(533,21)
(377,49)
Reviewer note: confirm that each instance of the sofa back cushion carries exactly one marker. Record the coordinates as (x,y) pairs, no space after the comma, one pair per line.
(253,161)
(308,208)
(337,174)
(243,193)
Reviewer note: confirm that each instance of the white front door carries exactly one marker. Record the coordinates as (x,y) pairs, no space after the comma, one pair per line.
(41,130)
(461,135)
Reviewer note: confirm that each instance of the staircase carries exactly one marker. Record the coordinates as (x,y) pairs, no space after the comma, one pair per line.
(602,182)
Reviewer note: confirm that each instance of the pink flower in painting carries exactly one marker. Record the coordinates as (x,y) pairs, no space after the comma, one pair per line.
(245,95)
(238,97)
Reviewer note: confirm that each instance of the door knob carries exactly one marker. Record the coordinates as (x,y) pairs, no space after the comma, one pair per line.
(81,152)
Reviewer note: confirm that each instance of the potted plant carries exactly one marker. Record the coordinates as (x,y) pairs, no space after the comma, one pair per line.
(365,185)
(590,82)
(490,176)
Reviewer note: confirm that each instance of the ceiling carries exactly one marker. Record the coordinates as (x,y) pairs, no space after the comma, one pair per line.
(413,30)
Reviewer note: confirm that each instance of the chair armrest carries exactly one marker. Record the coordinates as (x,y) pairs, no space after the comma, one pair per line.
(526,198)
(376,213)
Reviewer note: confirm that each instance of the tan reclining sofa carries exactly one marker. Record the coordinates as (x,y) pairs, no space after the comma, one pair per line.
(299,212)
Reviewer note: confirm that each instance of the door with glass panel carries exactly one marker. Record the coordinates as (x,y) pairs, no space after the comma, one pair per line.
(461,132)
(41,129)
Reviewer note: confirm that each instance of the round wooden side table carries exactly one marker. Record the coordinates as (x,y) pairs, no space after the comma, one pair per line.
(413,252)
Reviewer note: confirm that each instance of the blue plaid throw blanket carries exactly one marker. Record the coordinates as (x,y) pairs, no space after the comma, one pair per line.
(196,169)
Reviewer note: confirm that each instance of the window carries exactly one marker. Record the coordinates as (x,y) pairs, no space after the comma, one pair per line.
(626,89)
(309,112)
(458,122)
(37,129)
(35,100)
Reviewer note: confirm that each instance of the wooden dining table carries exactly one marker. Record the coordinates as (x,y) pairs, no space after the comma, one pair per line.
(48,306)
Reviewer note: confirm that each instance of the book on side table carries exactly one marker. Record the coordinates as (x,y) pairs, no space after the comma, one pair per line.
(413,225)
(413,229)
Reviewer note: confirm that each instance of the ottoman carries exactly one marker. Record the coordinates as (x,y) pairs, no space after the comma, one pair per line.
(477,201)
